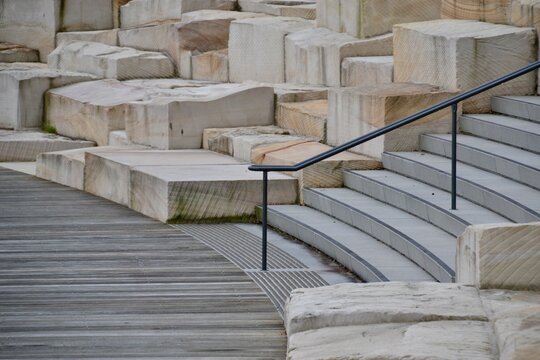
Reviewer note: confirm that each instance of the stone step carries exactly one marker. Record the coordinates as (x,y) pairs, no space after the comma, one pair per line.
(429,247)
(107,37)
(424,201)
(110,62)
(508,198)
(504,129)
(367,70)
(27,145)
(508,161)
(362,254)
(305,9)
(306,118)
(525,107)
(10,53)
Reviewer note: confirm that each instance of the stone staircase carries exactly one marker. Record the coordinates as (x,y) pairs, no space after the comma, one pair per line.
(395,224)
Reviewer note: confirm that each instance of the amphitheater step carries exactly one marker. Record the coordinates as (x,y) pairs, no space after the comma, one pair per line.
(525,107)
(508,198)
(504,129)
(431,248)
(367,257)
(513,163)
(424,201)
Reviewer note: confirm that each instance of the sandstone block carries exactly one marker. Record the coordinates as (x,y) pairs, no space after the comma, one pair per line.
(500,256)
(466,54)
(256,47)
(178,122)
(305,9)
(314,56)
(354,112)
(286,92)
(253,148)
(26,145)
(492,11)
(204,192)
(23,87)
(107,37)
(10,53)
(119,138)
(368,18)
(375,303)
(211,66)
(108,173)
(117,4)
(110,62)
(327,173)
(137,13)
(369,70)
(305,118)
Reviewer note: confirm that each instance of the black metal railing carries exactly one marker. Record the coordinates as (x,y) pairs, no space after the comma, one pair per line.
(452,102)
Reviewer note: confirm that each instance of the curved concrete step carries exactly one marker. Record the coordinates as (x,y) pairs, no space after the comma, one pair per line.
(525,107)
(508,198)
(508,161)
(508,130)
(431,248)
(427,202)
(367,257)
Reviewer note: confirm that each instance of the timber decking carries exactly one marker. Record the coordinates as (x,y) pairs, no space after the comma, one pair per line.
(82,277)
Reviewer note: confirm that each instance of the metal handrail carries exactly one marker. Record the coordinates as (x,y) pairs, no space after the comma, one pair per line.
(452,102)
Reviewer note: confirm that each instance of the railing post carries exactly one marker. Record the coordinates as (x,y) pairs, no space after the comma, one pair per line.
(265,221)
(454,155)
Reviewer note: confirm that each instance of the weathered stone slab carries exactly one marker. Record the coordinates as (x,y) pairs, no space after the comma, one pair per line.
(256,47)
(178,122)
(92,110)
(108,174)
(500,256)
(368,18)
(305,118)
(26,145)
(354,112)
(110,62)
(327,173)
(211,66)
(107,37)
(137,13)
(34,23)
(449,340)
(453,63)
(10,53)
(119,138)
(23,87)
(369,70)
(305,9)
(492,11)
(67,167)
(204,192)
(375,303)
(314,56)
(253,148)
(286,92)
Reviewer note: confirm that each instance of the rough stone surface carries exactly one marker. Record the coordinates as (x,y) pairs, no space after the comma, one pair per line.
(10,53)
(492,11)
(376,303)
(305,9)
(26,145)
(110,62)
(314,56)
(107,37)
(211,66)
(178,122)
(204,192)
(23,88)
(327,173)
(500,256)
(305,118)
(467,54)
(256,47)
(119,138)
(369,70)
(368,18)
(137,13)
(253,148)
(117,5)
(354,112)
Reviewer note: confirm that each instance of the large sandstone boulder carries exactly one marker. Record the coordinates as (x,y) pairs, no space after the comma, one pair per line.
(462,54)
(257,47)
(110,62)
(353,112)
(367,18)
(304,118)
(314,56)
(305,9)
(367,70)
(500,256)
(492,11)
(10,53)
(211,66)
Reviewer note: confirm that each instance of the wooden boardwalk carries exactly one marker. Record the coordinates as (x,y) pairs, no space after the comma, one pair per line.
(83,278)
